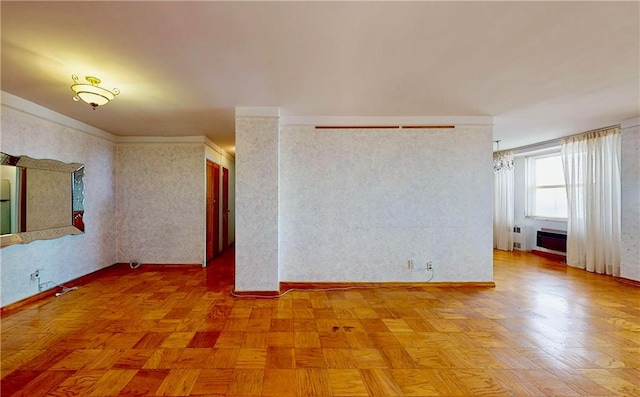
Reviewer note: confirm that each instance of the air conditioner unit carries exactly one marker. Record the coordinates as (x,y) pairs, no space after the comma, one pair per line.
(521,236)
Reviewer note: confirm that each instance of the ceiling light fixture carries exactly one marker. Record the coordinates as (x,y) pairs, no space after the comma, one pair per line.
(92,93)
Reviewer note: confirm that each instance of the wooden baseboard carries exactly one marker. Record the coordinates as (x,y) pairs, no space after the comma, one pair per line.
(82,280)
(248,294)
(628,281)
(51,292)
(167,265)
(285,286)
(550,255)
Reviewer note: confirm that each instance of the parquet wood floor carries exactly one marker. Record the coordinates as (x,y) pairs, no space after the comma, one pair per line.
(544,330)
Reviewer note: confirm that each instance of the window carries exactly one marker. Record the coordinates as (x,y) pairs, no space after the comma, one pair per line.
(546,191)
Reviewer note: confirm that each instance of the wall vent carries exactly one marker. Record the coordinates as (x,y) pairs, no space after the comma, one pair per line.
(521,237)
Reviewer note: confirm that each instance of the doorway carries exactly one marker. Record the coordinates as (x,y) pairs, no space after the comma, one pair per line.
(225,208)
(213,209)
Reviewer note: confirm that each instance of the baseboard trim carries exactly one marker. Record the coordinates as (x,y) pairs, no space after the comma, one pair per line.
(168,265)
(628,281)
(248,294)
(285,286)
(51,292)
(550,255)
(40,297)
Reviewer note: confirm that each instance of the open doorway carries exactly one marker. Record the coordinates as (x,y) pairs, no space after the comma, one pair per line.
(213,210)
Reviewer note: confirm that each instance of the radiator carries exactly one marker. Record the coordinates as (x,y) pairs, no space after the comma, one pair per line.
(550,239)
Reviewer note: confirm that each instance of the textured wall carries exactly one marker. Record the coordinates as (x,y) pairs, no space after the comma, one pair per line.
(630,255)
(355,205)
(161,211)
(256,204)
(68,257)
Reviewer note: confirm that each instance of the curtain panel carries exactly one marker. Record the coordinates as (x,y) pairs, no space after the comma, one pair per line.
(503,196)
(591,165)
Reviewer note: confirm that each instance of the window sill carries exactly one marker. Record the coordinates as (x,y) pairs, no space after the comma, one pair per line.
(541,218)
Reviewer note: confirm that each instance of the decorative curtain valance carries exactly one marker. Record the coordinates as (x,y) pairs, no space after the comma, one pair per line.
(502,161)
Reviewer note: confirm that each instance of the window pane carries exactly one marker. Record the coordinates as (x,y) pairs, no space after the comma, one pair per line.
(551,202)
(549,171)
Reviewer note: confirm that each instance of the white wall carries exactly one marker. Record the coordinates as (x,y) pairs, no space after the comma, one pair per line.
(630,203)
(257,203)
(160,212)
(29,129)
(355,205)
(520,219)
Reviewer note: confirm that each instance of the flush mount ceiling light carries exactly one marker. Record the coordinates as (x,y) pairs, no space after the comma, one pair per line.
(91,92)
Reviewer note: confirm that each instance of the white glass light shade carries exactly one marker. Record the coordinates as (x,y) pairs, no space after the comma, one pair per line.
(91,93)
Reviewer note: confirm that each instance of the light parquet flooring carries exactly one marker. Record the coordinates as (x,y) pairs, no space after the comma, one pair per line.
(544,330)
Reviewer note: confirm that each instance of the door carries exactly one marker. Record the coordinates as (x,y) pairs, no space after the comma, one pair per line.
(225,208)
(213,209)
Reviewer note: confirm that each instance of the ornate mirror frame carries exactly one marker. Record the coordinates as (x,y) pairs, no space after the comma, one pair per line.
(76,223)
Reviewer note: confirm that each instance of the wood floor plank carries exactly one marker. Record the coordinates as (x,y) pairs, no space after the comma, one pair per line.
(144,383)
(178,382)
(347,382)
(313,382)
(112,382)
(544,330)
(212,382)
(379,382)
(279,382)
(246,382)
(41,384)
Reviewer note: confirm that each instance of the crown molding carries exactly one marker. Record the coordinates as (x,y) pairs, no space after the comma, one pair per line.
(263,111)
(28,107)
(161,139)
(629,123)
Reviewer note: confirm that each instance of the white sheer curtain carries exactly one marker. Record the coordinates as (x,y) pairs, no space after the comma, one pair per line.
(591,165)
(503,201)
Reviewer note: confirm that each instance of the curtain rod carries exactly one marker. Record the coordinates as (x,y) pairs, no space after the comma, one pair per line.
(553,142)
(331,127)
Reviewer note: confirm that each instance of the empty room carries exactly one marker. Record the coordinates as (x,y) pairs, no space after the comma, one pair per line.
(224,198)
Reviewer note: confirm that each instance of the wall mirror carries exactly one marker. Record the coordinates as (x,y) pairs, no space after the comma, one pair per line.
(39,199)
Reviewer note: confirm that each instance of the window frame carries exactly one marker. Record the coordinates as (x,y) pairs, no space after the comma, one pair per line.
(531,188)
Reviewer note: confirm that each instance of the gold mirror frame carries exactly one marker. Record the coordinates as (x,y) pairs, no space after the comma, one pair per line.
(76,223)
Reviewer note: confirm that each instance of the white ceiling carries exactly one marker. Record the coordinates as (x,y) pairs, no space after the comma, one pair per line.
(542,69)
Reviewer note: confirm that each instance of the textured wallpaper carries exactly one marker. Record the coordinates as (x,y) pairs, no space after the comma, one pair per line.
(630,255)
(161,203)
(68,257)
(356,205)
(256,204)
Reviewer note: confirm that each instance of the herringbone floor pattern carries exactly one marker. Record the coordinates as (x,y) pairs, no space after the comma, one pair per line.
(544,330)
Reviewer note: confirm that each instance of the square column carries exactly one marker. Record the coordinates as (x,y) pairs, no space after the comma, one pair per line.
(257,199)
(630,200)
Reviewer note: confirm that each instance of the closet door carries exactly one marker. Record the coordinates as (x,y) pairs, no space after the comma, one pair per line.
(213,209)
(225,208)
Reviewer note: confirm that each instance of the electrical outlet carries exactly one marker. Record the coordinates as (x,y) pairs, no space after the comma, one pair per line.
(35,275)
(410,264)
(429,266)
